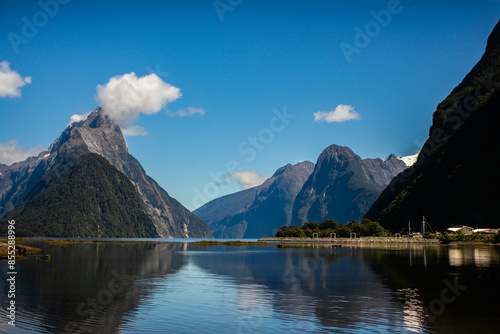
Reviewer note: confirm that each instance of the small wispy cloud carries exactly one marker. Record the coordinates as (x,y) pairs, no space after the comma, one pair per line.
(11,81)
(78,117)
(247,179)
(134,130)
(341,113)
(189,111)
(127,130)
(11,153)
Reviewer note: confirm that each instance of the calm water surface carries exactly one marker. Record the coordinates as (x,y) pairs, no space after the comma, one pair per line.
(184,288)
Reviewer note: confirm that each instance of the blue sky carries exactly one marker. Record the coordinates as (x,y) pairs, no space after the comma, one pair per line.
(239,64)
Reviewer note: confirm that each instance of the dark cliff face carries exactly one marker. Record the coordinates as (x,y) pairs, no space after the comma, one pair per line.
(90,199)
(343,186)
(97,134)
(453,181)
(259,211)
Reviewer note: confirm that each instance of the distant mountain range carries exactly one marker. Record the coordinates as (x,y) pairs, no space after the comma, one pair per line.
(454,180)
(343,186)
(258,211)
(87,184)
(340,186)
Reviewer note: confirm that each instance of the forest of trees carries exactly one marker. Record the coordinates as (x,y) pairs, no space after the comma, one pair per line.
(366,228)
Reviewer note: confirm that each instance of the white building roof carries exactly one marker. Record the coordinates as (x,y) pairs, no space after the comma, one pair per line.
(458,228)
(485,230)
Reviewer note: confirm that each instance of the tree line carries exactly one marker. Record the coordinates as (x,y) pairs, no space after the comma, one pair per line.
(366,228)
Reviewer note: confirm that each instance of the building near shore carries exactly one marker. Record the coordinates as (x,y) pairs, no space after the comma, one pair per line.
(461,228)
(485,230)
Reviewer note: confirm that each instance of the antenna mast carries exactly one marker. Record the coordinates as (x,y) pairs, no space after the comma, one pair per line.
(425,222)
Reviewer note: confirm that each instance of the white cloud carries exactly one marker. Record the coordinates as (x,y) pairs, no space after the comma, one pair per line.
(247,179)
(78,117)
(11,81)
(341,114)
(190,111)
(127,96)
(10,152)
(134,130)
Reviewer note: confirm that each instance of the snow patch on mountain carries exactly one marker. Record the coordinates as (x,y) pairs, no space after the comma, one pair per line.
(409,160)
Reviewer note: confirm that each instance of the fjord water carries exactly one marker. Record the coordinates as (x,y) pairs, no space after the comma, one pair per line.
(186,288)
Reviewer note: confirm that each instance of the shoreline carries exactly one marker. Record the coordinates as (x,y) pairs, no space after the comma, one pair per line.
(362,240)
(260,242)
(21,251)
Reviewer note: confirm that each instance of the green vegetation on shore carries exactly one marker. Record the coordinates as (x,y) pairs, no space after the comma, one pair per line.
(447,238)
(20,250)
(366,228)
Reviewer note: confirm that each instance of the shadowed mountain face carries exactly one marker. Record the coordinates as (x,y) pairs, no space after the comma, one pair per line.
(454,180)
(22,182)
(92,198)
(259,211)
(343,186)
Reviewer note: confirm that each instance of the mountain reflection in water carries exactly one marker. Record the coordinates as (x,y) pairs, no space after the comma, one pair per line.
(184,288)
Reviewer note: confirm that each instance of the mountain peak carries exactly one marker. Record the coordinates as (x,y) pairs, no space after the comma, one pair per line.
(391,156)
(341,154)
(343,186)
(332,149)
(97,118)
(98,134)
(409,160)
(494,39)
(289,168)
(101,135)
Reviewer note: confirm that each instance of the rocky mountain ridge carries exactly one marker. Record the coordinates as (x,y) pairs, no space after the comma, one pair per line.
(343,186)
(97,134)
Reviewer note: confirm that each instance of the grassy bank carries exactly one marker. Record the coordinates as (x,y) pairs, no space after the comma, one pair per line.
(447,238)
(21,250)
